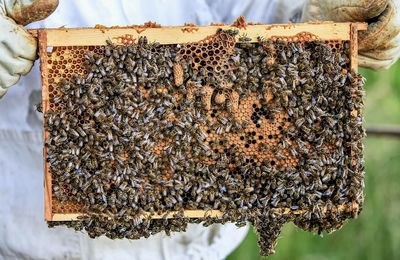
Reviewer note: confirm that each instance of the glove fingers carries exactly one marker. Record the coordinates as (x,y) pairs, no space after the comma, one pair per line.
(390,48)
(28,11)
(14,65)
(7,80)
(386,54)
(342,11)
(17,40)
(2,92)
(373,63)
(383,31)
(353,10)
(12,68)
(17,53)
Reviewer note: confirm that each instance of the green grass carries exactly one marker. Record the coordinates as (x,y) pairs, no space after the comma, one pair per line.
(376,233)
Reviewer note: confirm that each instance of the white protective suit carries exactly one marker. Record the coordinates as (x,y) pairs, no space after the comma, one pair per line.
(23,231)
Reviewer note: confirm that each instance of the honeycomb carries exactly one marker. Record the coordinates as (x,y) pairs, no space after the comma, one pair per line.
(63,63)
(263,131)
(211,55)
(243,129)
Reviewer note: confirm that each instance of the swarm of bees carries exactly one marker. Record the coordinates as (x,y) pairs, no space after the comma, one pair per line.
(265,132)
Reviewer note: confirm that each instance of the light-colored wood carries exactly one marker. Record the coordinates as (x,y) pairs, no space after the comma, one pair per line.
(42,36)
(362,26)
(354,47)
(211,213)
(65,217)
(184,34)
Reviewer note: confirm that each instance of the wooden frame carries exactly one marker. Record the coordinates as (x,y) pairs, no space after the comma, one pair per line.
(176,35)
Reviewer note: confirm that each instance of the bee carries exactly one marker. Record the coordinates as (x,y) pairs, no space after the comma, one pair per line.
(129,144)
(244,38)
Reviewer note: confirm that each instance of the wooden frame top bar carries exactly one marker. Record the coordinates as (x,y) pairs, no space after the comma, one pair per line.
(185,34)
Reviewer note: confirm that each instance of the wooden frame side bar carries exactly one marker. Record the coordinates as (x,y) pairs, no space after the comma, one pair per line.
(42,36)
(354,47)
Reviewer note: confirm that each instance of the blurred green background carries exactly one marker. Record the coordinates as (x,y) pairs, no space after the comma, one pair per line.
(376,233)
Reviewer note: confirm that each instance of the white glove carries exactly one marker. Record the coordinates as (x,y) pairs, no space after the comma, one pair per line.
(379,46)
(17,46)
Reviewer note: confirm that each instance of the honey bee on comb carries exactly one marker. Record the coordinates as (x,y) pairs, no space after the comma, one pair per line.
(265,132)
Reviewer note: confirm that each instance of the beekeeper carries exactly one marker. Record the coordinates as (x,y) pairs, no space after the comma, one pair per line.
(23,231)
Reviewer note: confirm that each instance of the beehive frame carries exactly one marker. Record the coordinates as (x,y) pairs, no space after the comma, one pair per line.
(68,38)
